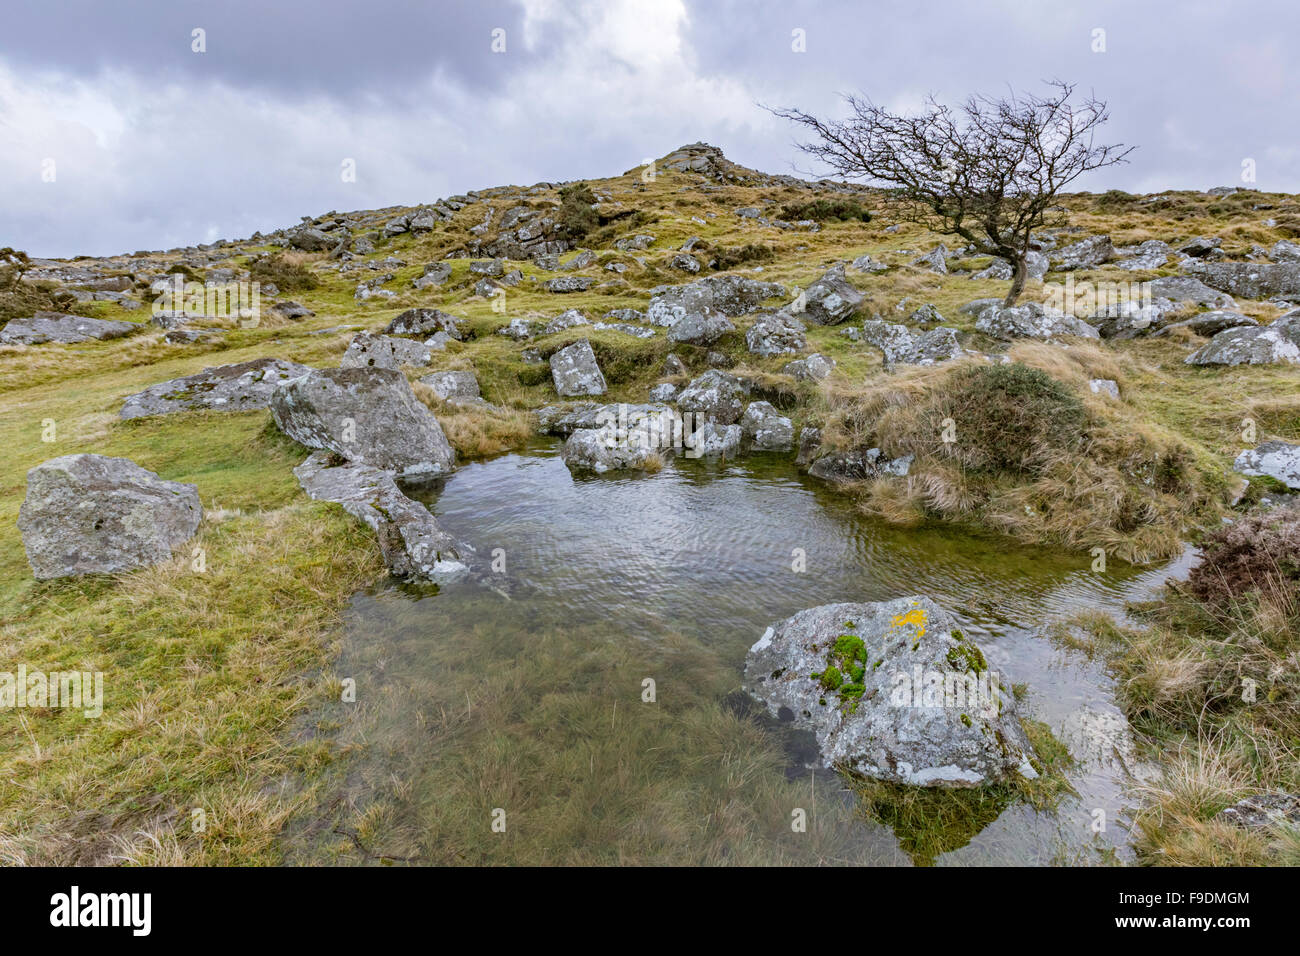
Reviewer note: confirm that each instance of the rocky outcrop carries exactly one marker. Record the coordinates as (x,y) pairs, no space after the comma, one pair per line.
(812,368)
(1084,254)
(700,328)
(88,514)
(714,396)
(858,464)
(1031,321)
(777,334)
(575,372)
(901,347)
(410,540)
(763,428)
(893,691)
(1249,280)
(244,387)
(1252,345)
(731,295)
(1275,459)
(1188,289)
(57,327)
(459,387)
(366,415)
(423,322)
(831,299)
(368,350)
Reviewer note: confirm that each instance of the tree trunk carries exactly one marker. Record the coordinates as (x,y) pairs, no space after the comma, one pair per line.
(1017,280)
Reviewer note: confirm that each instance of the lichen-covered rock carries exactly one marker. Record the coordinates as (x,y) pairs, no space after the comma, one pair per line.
(1210,323)
(88,514)
(731,295)
(858,464)
(712,439)
(243,387)
(1130,318)
(763,428)
(57,327)
(1275,459)
(903,348)
(564,284)
(1262,810)
(714,396)
(368,350)
(565,320)
(893,691)
(367,415)
(1085,254)
(1251,345)
(777,334)
(575,372)
(831,299)
(1104,386)
(458,387)
(1250,280)
(621,437)
(1031,321)
(1151,254)
(410,540)
(423,322)
(700,328)
(1189,289)
(812,368)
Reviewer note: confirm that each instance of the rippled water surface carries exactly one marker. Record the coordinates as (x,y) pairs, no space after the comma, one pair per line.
(520,700)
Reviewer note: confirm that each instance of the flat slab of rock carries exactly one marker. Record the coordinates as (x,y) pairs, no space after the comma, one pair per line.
(89,514)
(57,327)
(410,540)
(1250,280)
(367,415)
(893,691)
(1274,459)
(700,328)
(384,351)
(243,387)
(575,372)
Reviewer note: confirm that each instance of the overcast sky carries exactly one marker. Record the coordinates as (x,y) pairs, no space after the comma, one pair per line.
(150,144)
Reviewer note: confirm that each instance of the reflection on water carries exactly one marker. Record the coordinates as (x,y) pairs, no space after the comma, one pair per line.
(529,698)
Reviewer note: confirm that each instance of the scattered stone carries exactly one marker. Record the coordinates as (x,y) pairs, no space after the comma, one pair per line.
(1202,246)
(1284,250)
(712,439)
(565,320)
(575,372)
(1085,254)
(562,284)
(926,315)
(674,365)
(1263,810)
(714,396)
(88,514)
(410,540)
(617,438)
(518,329)
(458,387)
(1210,323)
(858,464)
(830,300)
(684,263)
(1031,320)
(423,322)
(1104,386)
(367,415)
(225,388)
(866,264)
(291,310)
(1259,345)
(384,351)
(731,295)
(764,429)
(1250,280)
(846,672)
(700,328)
(435,274)
(191,336)
(936,260)
(777,334)
(1274,459)
(1151,254)
(813,368)
(58,327)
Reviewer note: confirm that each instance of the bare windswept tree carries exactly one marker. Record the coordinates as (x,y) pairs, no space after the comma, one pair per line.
(988,170)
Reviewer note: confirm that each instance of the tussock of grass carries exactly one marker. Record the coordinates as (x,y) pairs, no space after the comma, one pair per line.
(1033,453)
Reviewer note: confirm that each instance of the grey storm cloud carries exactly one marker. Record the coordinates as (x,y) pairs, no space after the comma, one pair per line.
(156,145)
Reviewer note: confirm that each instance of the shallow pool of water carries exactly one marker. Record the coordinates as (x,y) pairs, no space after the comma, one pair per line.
(506,721)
